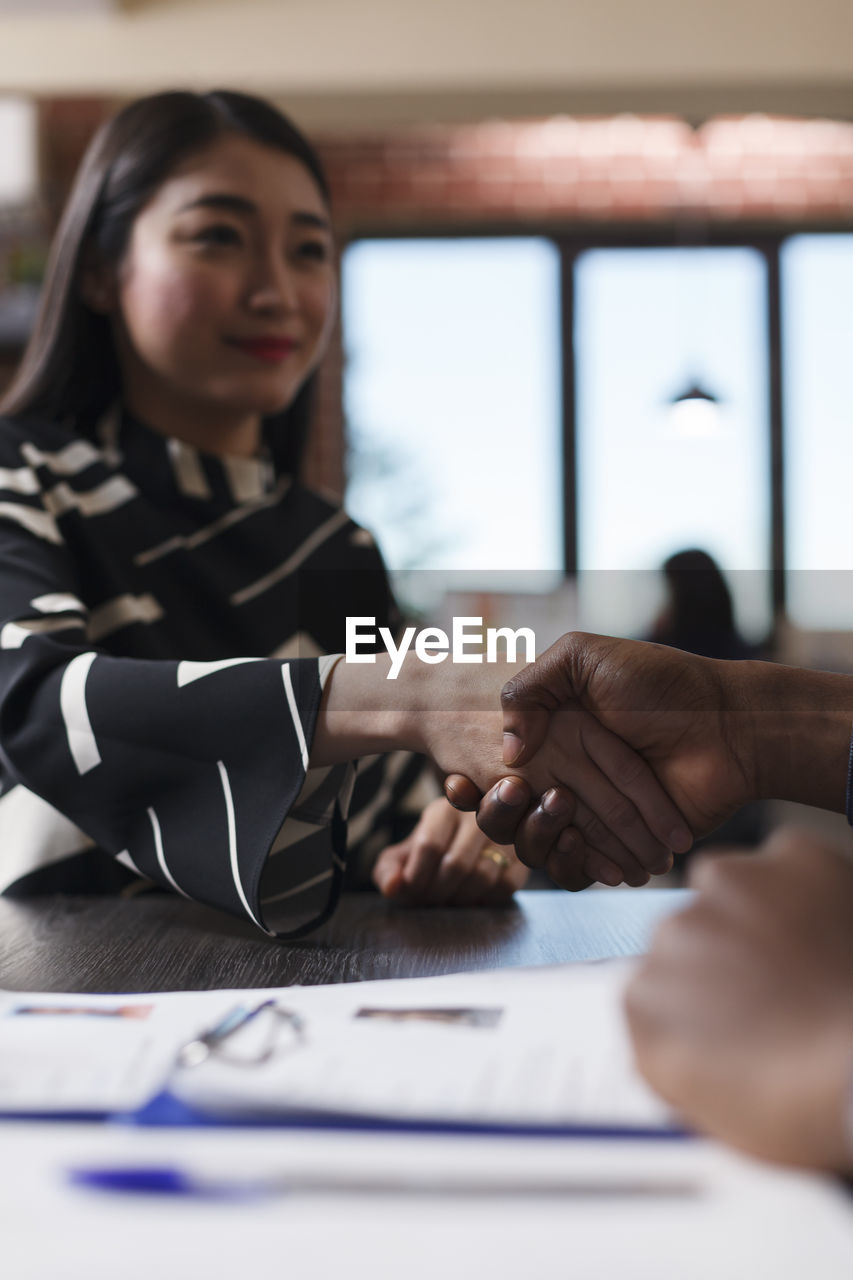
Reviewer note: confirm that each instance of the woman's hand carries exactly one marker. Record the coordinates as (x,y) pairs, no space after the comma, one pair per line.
(447,861)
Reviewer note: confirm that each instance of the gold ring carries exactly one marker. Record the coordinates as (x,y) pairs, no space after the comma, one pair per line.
(497,856)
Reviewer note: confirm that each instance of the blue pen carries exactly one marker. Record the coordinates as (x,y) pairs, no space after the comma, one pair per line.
(166,1180)
(169,1180)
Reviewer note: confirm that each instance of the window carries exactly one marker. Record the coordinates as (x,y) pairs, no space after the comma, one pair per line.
(453,378)
(452,398)
(648,323)
(817,335)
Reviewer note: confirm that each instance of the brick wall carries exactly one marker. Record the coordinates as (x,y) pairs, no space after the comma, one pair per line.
(619,169)
(555,173)
(561,173)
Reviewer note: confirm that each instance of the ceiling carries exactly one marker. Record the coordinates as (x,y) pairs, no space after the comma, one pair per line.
(357,62)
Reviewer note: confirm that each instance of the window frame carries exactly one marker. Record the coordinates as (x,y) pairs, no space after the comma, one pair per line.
(695,232)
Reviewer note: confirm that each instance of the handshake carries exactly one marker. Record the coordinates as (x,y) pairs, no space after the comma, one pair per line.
(616,754)
(742,1013)
(619,753)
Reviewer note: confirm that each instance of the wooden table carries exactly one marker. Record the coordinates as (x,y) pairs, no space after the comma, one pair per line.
(155,942)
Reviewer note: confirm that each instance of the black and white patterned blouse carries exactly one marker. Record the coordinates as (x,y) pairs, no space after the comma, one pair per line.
(163,616)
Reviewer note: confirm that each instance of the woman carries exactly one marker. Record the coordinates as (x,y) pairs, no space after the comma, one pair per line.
(161,565)
(698,615)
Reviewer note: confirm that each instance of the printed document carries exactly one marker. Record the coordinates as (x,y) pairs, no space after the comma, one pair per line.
(529,1047)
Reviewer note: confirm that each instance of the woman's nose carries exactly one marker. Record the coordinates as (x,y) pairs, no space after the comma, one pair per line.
(274,288)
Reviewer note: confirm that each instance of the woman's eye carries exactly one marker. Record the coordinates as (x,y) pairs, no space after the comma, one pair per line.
(219,234)
(314,250)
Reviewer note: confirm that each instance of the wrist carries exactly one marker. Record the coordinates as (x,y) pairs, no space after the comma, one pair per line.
(363,712)
(794,729)
(418,690)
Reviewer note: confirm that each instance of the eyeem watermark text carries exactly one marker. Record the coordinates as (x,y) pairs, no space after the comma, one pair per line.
(467,642)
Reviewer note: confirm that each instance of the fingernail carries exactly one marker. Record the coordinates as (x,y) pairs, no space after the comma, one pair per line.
(556,804)
(680,840)
(511,793)
(513,747)
(610,875)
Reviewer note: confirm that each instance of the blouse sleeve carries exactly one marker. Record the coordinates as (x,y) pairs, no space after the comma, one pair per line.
(183,771)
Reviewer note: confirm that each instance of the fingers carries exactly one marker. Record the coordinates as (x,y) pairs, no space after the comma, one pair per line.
(567,867)
(608,859)
(540,828)
(387,872)
(557,835)
(447,860)
(635,780)
(461,792)
(474,872)
(428,844)
(574,862)
(464,874)
(491,878)
(511,879)
(544,840)
(612,813)
(563,836)
(628,816)
(482,880)
(503,808)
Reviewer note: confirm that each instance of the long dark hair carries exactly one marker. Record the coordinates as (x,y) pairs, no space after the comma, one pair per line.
(701,616)
(69,370)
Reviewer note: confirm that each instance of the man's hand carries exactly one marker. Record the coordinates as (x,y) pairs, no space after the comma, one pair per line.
(452,714)
(448,861)
(742,1014)
(645,717)
(625,825)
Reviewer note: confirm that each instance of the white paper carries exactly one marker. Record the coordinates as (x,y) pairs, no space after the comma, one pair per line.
(545,1046)
(82,1053)
(524,1047)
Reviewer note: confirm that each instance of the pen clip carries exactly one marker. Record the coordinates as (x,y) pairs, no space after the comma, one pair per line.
(199,1049)
(209,1043)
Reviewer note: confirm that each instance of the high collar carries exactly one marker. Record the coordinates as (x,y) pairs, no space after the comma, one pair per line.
(174,473)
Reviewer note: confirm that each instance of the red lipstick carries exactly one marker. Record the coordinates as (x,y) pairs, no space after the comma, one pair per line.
(270,350)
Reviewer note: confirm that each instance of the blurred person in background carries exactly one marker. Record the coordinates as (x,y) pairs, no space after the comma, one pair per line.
(698,614)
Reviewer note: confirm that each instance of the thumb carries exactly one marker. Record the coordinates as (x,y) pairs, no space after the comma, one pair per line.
(529,698)
(525,723)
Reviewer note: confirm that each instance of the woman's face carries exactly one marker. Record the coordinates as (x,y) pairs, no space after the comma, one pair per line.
(224,299)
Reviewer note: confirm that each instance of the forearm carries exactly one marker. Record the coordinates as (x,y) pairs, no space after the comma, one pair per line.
(364,713)
(450,713)
(795,726)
